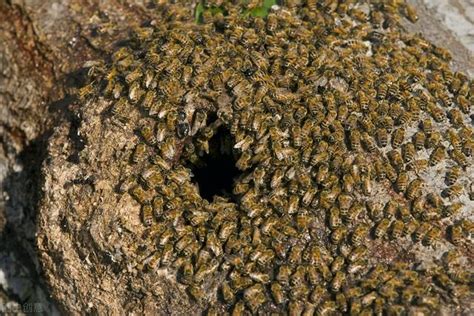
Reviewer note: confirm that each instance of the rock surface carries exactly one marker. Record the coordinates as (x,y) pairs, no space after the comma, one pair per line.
(42,46)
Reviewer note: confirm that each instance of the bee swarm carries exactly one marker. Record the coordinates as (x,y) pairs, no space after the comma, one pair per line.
(354,143)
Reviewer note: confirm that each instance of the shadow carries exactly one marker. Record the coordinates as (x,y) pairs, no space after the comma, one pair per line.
(217,173)
(22,185)
(18,246)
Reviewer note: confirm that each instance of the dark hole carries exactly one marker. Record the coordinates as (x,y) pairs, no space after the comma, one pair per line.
(216,171)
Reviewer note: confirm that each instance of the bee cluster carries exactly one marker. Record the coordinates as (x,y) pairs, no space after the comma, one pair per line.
(337,119)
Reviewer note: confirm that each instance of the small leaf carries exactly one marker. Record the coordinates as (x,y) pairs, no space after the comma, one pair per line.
(267,4)
(261,12)
(198,13)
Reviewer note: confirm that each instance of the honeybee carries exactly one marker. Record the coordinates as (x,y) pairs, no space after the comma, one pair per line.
(464,104)
(140,195)
(397,229)
(334,218)
(355,140)
(326,308)
(381,228)
(421,231)
(438,154)
(369,143)
(409,152)
(456,117)
(396,159)
(404,213)
(436,112)
(453,209)
(402,182)
(147,215)
(397,137)
(459,157)
(153,262)
(453,191)
(338,234)
(453,174)
(427,126)
(433,235)
(278,293)
(254,296)
(456,234)
(337,281)
(238,309)
(147,133)
(468,147)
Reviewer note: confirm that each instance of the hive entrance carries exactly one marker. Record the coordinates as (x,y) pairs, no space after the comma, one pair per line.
(216,170)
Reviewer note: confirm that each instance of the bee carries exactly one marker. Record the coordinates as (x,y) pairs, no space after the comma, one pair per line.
(438,154)
(454,139)
(433,140)
(153,262)
(147,215)
(239,309)
(456,117)
(397,137)
(409,152)
(158,160)
(382,137)
(397,229)
(334,218)
(369,143)
(404,213)
(396,159)
(433,235)
(139,153)
(151,178)
(414,189)
(140,195)
(468,147)
(464,104)
(326,308)
(337,281)
(323,172)
(453,209)
(196,292)
(456,234)
(167,248)
(254,296)
(459,158)
(429,301)
(421,231)
(147,133)
(381,228)
(402,182)
(295,254)
(410,227)
(355,140)
(338,234)
(121,109)
(453,191)
(354,212)
(298,276)
(284,273)
(436,112)
(278,293)
(453,175)
(427,126)
(375,210)
(187,271)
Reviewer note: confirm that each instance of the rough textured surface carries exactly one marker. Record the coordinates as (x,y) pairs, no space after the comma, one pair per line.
(56,37)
